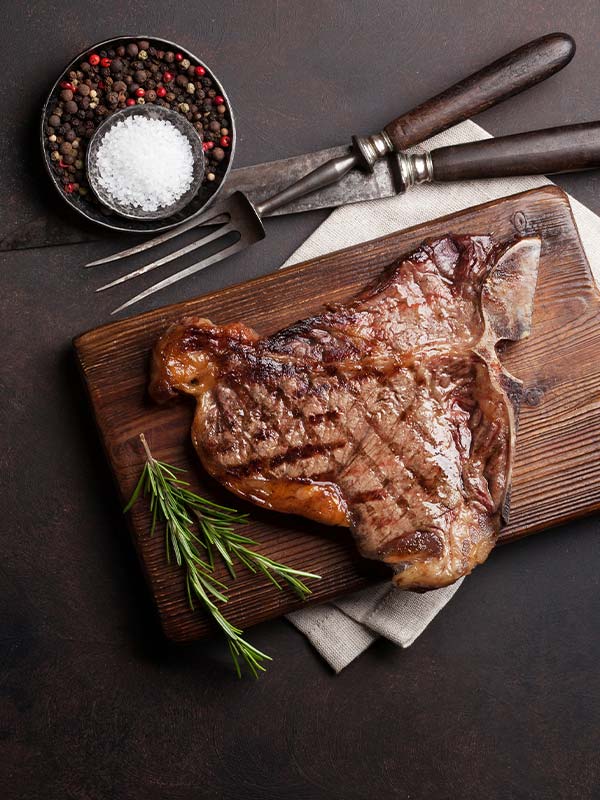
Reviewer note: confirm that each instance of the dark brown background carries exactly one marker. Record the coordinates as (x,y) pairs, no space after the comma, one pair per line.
(499,698)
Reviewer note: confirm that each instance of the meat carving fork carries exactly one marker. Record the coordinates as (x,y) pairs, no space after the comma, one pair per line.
(553,150)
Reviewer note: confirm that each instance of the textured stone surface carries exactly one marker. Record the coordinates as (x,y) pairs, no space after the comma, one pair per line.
(499,699)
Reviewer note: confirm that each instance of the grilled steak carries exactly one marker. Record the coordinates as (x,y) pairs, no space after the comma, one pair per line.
(390,414)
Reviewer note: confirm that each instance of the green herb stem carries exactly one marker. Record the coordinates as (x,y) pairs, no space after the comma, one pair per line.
(194,547)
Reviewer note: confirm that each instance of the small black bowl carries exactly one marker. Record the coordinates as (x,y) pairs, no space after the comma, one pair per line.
(90,208)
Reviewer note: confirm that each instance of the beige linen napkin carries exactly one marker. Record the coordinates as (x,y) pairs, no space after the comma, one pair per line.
(342,630)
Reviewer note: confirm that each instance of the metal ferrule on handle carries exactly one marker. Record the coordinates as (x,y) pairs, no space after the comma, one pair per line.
(509,75)
(415,169)
(567,148)
(369,149)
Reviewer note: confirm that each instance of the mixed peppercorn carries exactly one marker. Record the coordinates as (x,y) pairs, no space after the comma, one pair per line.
(135,72)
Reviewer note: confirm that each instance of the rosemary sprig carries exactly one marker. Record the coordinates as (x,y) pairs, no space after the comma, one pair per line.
(229,544)
(174,503)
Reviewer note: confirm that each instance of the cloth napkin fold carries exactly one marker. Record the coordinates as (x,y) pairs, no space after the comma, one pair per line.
(342,630)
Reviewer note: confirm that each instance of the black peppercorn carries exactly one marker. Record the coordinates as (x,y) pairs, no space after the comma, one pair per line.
(132,65)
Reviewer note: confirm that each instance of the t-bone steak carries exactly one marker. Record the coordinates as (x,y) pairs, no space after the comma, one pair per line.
(390,414)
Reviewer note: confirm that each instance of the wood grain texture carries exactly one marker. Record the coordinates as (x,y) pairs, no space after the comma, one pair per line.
(510,74)
(545,152)
(557,468)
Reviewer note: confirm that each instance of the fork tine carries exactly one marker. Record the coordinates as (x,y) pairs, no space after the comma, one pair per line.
(184,273)
(221,231)
(210,216)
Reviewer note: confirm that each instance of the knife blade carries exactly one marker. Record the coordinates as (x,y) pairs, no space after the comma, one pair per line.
(355,187)
(379,166)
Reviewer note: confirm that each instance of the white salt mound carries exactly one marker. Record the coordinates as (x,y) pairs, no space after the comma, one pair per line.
(145,163)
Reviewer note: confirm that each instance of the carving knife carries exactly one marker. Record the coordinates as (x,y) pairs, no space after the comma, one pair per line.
(378,157)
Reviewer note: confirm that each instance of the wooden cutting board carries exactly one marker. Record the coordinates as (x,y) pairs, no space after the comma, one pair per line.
(557,470)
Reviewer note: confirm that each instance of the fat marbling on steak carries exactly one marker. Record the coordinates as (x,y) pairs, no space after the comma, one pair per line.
(390,414)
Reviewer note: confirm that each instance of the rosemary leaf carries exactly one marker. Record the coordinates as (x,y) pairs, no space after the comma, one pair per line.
(173,503)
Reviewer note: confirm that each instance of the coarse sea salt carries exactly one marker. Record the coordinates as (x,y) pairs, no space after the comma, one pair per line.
(145,163)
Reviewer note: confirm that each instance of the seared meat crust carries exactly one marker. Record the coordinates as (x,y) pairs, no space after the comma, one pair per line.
(390,414)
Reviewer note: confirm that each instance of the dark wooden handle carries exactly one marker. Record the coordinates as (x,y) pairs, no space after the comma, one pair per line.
(565,149)
(511,74)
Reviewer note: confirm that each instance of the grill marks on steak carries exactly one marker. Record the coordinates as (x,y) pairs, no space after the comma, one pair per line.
(390,414)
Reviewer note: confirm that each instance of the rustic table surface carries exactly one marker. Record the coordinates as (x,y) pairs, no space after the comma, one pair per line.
(499,698)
